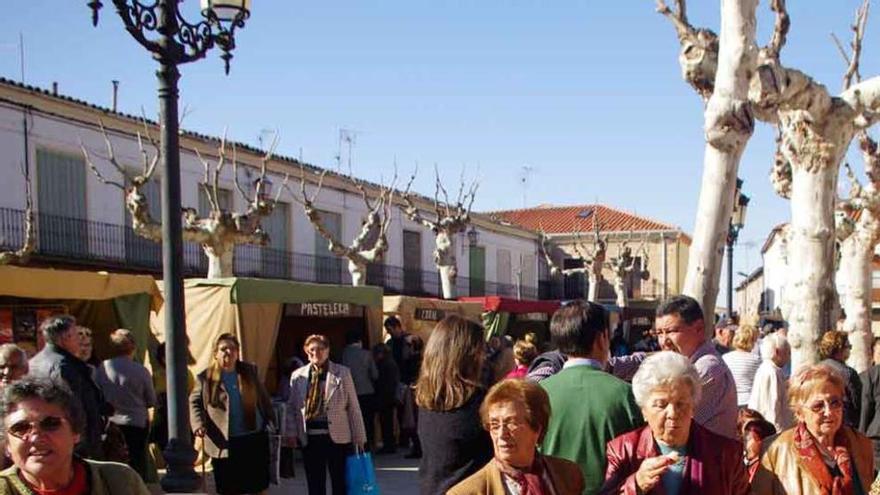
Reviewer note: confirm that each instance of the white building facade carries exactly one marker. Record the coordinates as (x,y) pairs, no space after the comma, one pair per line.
(82,221)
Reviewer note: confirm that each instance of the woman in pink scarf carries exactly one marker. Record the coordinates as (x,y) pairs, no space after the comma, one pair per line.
(524,352)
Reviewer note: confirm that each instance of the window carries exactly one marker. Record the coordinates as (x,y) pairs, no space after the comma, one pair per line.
(224,197)
(61,198)
(574,285)
(412,262)
(274,260)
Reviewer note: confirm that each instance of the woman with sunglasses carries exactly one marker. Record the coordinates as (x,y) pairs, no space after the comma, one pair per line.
(42,421)
(820,455)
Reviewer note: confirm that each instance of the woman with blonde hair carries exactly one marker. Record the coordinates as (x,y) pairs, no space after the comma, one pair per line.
(743,363)
(449,392)
(524,352)
(230,409)
(820,455)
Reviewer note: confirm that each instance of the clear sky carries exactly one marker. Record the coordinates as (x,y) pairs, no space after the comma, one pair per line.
(586,93)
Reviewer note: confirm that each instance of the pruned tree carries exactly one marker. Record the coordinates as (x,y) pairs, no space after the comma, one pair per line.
(592,260)
(371,243)
(449,219)
(858,236)
(718,68)
(220,230)
(23,254)
(624,265)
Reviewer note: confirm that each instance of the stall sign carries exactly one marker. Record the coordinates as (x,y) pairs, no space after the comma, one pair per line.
(532,317)
(430,314)
(324,310)
(641,320)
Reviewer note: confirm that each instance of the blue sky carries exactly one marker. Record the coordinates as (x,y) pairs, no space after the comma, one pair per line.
(587,93)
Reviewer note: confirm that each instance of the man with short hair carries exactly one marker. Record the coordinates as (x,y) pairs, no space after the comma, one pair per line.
(723,340)
(364,374)
(680,328)
(770,390)
(590,407)
(13,364)
(128,387)
(58,362)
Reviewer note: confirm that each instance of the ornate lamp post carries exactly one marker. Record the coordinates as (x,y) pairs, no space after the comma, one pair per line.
(737,220)
(174,41)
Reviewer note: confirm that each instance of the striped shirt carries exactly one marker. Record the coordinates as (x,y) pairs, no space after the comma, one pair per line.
(716,410)
(743,366)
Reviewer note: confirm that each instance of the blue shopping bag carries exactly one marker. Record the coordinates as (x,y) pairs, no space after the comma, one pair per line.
(360,478)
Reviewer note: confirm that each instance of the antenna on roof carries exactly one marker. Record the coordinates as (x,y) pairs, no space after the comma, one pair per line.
(524,180)
(264,132)
(349,138)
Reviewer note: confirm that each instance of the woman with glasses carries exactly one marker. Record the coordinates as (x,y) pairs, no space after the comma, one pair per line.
(324,417)
(515,413)
(42,421)
(819,455)
(834,349)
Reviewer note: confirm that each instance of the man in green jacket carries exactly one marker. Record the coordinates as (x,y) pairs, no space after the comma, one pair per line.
(590,407)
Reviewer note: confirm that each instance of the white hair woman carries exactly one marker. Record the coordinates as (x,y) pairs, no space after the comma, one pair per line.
(672,454)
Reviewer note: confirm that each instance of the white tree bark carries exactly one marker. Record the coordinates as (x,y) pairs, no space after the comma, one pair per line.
(23,254)
(220,259)
(728,126)
(854,286)
(447,265)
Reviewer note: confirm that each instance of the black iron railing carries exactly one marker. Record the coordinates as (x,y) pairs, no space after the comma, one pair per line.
(112,246)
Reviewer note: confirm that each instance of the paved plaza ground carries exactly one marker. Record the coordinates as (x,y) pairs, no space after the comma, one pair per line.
(396,476)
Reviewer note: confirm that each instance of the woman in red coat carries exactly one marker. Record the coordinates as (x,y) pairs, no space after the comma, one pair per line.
(673,455)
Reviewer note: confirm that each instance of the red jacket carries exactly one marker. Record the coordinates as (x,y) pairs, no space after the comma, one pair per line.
(714,464)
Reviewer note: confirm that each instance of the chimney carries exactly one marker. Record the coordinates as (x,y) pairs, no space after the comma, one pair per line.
(115,94)
(54,88)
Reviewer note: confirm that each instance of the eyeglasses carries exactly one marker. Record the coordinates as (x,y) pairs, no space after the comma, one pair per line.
(498,427)
(49,424)
(820,405)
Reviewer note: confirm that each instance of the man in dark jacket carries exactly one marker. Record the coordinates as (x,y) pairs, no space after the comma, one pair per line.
(58,362)
(869,419)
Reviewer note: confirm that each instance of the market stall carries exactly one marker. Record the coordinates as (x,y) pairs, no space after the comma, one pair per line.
(99,300)
(272,318)
(419,315)
(516,317)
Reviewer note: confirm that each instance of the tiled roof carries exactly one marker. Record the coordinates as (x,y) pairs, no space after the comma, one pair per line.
(579,218)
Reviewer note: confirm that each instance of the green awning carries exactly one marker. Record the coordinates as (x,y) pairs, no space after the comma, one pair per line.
(254,290)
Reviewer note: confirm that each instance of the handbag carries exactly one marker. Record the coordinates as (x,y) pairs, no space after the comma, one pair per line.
(360,478)
(113,444)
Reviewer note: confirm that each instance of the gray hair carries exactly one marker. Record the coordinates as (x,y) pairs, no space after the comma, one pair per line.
(665,368)
(55,327)
(8,350)
(772,343)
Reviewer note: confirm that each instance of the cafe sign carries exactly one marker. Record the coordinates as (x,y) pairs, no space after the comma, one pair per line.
(324,310)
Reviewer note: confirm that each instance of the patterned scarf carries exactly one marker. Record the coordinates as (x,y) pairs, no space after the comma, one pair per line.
(530,480)
(314,397)
(838,483)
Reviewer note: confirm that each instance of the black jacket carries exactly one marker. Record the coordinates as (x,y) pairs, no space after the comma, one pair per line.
(869,420)
(63,367)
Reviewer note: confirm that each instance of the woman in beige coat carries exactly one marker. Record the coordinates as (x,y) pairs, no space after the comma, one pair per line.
(820,455)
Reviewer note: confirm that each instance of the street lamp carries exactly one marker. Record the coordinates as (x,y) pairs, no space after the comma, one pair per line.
(737,221)
(175,41)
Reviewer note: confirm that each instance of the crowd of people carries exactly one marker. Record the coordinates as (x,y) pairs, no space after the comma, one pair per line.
(686,415)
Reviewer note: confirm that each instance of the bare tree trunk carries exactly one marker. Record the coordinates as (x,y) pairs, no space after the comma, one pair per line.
(444,258)
(593,290)
(620,290)
(811,288)
(728,125)
(854,286)
(220,259)
(358,273)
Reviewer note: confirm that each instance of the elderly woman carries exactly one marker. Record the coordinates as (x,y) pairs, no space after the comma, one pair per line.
(324,416)
(820,455)
(834,350)
(515,413)
(672,455)
(230,409)
(743,363)
(42,421)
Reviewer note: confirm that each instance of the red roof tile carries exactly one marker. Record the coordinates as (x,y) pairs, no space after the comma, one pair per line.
(579,218)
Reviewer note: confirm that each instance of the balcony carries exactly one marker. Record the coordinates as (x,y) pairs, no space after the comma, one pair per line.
(74,242)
